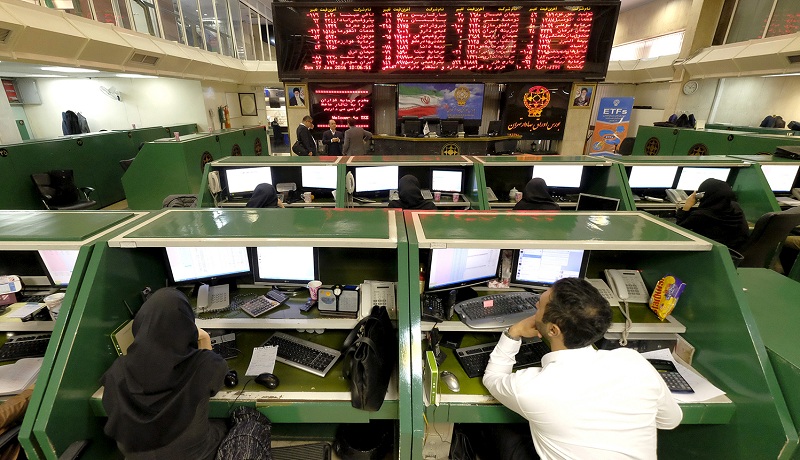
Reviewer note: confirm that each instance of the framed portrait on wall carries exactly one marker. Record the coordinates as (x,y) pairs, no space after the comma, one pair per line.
(297,96)
(582,94)
(247,103)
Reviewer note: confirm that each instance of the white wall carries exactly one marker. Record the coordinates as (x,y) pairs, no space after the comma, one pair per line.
(9,134)
(746,101)
(145,102)
(652,20)
(222,94)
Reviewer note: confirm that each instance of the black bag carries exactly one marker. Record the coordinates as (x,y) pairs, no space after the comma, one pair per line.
(249,438)
(370,353)
(298,148)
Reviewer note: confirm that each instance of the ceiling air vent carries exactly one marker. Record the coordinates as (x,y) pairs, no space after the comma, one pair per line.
(5,34)
(144,59)
(794,59)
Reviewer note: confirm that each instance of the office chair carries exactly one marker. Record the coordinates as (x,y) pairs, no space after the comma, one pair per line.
(125,164)
(626,146)
(764,244)
(58,191)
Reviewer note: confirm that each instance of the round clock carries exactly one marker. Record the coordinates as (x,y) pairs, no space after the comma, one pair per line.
(690,87)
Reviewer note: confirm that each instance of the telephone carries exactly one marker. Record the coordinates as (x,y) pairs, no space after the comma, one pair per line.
(605,291)
(212,298)
(796,193)
(490,196)
(349,183)
(213,182)
(628,285)
(676,196)
(379,293)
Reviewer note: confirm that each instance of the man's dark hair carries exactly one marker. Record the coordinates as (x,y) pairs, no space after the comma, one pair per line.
(308,118)
(578,309)
(351,121)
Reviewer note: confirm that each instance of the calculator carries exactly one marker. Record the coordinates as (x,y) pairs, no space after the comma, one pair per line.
(674,380)
(259,306)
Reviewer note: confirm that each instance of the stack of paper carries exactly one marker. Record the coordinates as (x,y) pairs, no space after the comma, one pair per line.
(16,377)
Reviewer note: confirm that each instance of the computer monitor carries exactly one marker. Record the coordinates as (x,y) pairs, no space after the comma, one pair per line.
(691,177)
(284,265)
(376,178)
(472,127)
(411,128)
(563,176)
(588,202)
(447,180)
(206,263)
(495,128)
(449,128)
(59,263)
(26,264)
(241,181)
(652,176)
(540,268)
(781,178)
(450,268)
(318,176)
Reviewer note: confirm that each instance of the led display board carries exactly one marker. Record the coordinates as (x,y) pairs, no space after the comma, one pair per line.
(340,102)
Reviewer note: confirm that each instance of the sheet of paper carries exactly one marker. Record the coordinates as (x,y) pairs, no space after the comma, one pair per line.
(703,389)
(16,377)
(24,310)
(263,360)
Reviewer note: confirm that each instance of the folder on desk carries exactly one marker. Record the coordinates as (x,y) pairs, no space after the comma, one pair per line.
(430,380)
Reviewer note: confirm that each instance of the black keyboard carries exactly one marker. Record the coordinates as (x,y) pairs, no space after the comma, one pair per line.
(36,298)
(277,296)
(475,358)
(24,346)
(225,346)
(303,354)
(497,310)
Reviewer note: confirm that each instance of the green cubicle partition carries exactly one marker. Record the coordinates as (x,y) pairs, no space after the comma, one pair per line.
(22,234)
(751,129)
(762,144)
(655,141)
(663,141)
(502,173)
(771,167)
(282,170)
(750,421)
(351,246)
(252,141)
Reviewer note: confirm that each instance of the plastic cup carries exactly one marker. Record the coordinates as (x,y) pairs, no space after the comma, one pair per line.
(519,196)
(177,135)
(456,197)
(307,197)
(53,303)
(437,196)
(313,289)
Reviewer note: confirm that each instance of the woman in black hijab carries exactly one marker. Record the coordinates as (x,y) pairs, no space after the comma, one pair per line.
(718,216)
(264,196)
(156,396)
(410,195)
(536,198)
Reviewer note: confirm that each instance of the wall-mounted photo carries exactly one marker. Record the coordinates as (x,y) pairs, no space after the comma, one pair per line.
(297,95)
(247,103)
(582,94)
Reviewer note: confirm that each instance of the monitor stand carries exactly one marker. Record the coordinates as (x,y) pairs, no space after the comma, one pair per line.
(465,293)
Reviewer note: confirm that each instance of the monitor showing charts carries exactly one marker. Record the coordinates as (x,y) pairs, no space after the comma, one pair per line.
(245,180)
(652,176)
(203,263)
(560,175)
(376,178)
(444,180)
(318,176)
(781,178)
(59,264)
(691,177)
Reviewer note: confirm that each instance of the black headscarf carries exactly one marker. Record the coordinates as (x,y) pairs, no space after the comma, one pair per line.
(717,216)
(535,197)
(264,196)
(152,393)
(410,195)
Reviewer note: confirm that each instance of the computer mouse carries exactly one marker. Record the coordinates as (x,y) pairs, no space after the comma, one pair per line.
(231,378)
(450,380)
(268,380)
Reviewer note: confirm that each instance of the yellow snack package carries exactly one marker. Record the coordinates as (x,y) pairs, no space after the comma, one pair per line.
(665,295)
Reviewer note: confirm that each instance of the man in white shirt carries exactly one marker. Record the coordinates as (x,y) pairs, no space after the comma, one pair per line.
(582,403)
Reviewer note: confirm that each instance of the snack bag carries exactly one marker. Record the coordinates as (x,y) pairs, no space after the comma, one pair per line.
(665,295)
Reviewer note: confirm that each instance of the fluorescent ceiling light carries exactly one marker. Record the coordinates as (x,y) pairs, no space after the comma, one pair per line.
(783,75)
(45,76)
(70,69)
(134,75)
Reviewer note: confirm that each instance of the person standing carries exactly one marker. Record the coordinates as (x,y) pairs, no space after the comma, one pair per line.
(355,139)
(333,139)
(305,145)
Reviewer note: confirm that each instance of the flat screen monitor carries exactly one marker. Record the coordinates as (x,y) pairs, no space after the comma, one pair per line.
(284,265)
(472,127)
(376,178)
(652,176)
(691,178)
(26,264)
(203,263)
(59,264)
(411,128)
(588,202)
(457,267)
(567,176)
(447,180)
(781,178)
(495,128)
(318,176)
(245,180)
(449,128)
(543,267)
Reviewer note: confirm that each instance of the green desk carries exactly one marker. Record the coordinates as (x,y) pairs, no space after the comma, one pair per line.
(398,145)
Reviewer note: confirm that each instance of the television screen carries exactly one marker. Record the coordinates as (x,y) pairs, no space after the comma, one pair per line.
(445,180)
(245,180)
(691,178)
(652,176)
(202,263)
(442,100)
(449,128)
(284,265)
(59,264)
(472,127)
(495,128)
(560,175)
(455,267)
(781,178)
(588,202)
(318,176)
(543,267)
(411,128)
(376,178)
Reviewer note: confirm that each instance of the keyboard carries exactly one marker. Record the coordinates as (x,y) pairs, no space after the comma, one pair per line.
(277,296)
(359,199)
(497,310)
(259,306)
(302,354)
(225,346)
(24,346)
(475,358)
(36,298)
(426,194)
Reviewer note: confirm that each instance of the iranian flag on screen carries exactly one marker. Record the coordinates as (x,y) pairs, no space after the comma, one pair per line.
(414,101)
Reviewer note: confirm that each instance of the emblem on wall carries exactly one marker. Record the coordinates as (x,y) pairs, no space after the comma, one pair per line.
(698,150)
(205,159)
(652,147)
(536,99)
(257,147)
(450,149)
(236,150)
(461,95)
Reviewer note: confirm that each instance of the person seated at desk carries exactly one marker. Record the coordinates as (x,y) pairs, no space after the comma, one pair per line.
(264,196)
(582,402)
(718,217)
(410,193)
(536,198)
(156,396)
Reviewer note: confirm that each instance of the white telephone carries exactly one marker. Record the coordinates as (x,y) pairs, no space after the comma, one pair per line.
(628,285)
(676,196)
(213,182)
(212,298)
(605,291)
(378,293)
